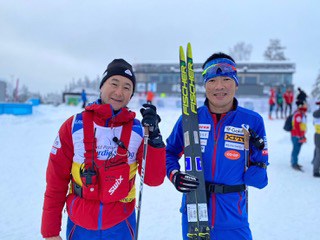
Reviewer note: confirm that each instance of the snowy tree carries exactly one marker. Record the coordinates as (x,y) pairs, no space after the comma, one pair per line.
(24,94)
(316,88)
(275,52)
(241,51)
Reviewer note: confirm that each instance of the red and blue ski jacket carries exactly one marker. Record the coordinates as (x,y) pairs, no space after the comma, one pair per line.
(222,145)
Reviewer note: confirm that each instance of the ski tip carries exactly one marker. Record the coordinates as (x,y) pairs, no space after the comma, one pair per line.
(189,52)
(182,54)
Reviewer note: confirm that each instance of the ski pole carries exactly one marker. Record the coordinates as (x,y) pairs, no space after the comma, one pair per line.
(246,134)
(144,156)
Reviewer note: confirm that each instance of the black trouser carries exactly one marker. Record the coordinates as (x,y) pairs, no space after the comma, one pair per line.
(288,105)
(84,104)
(279,106)
(270,109)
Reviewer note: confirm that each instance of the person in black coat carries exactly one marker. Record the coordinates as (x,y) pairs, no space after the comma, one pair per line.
(302,96)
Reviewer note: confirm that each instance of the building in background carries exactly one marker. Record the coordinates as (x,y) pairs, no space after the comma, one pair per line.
(3,90)
(255,79)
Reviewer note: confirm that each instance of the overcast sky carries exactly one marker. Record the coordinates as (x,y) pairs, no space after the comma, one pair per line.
(47,43)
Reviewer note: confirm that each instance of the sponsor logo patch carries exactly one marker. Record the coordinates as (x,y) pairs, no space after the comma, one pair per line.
(116,185)
(203,142)
(233,138)
(205,127)
(232,145)
(128,72)
(234,130)
(204,134)
(54,150)
(232,155)
(203,148)
(78,121)
(57,143)
(264,152)
(265,142)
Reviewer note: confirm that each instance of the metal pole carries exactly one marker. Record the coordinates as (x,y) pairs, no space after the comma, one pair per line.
(246,134)
(145,145)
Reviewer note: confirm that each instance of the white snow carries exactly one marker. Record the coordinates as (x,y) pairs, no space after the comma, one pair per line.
(288,208)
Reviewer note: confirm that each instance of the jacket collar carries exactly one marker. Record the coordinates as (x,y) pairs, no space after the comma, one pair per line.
(104,114)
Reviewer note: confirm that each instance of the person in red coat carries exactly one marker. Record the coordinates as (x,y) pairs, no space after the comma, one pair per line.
(272,102)
(94,160)
(299,128)
(149,97)
(288,99)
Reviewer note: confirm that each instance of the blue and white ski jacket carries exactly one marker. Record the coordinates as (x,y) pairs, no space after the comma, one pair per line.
(222,145)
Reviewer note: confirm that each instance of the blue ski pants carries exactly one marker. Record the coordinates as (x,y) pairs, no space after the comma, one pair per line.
(295,150)
(124,230)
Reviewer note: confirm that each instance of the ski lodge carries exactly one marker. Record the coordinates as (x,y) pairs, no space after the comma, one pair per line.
(255,79)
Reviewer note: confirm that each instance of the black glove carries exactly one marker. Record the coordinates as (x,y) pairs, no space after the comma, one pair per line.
(256,140)
(151,119)
(184,182)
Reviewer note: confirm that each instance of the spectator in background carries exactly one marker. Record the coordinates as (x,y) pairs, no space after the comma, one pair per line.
(279,101)
(316,159)
(149,97)
(288,98)
(299,127)
(84,98)
(272,102)
(302,96)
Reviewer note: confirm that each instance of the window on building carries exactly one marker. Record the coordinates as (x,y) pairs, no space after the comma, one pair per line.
(250,79)
(270,78)
(287,79)
(154,78)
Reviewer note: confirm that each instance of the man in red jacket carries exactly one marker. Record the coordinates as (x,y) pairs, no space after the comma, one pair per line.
(93,163)
(288,98)
(272,102)
(299,127)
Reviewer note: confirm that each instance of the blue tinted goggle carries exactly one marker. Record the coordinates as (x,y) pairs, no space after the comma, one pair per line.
(219,69)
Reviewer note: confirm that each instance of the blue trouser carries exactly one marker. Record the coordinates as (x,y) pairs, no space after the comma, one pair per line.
(243,233)
(125,230)
(295,150)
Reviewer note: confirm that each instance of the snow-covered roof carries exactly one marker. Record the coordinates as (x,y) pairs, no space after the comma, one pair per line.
(253,67)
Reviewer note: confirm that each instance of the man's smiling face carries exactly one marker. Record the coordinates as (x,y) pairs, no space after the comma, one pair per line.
(117,91)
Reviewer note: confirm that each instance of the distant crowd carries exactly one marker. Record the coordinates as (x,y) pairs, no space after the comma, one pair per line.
(296,122)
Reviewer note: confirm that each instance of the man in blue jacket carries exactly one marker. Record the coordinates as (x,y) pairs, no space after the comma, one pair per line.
(222,144)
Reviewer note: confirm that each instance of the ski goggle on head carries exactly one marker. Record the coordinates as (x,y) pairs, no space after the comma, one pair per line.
(220,67)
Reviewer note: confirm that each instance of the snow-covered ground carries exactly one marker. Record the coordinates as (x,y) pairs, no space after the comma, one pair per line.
(288,208)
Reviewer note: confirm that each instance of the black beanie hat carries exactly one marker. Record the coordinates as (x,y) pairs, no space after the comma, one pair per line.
(119,67)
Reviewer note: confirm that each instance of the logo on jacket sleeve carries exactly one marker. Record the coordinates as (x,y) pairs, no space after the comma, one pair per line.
(232,155)
(57,142)
(56,145)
